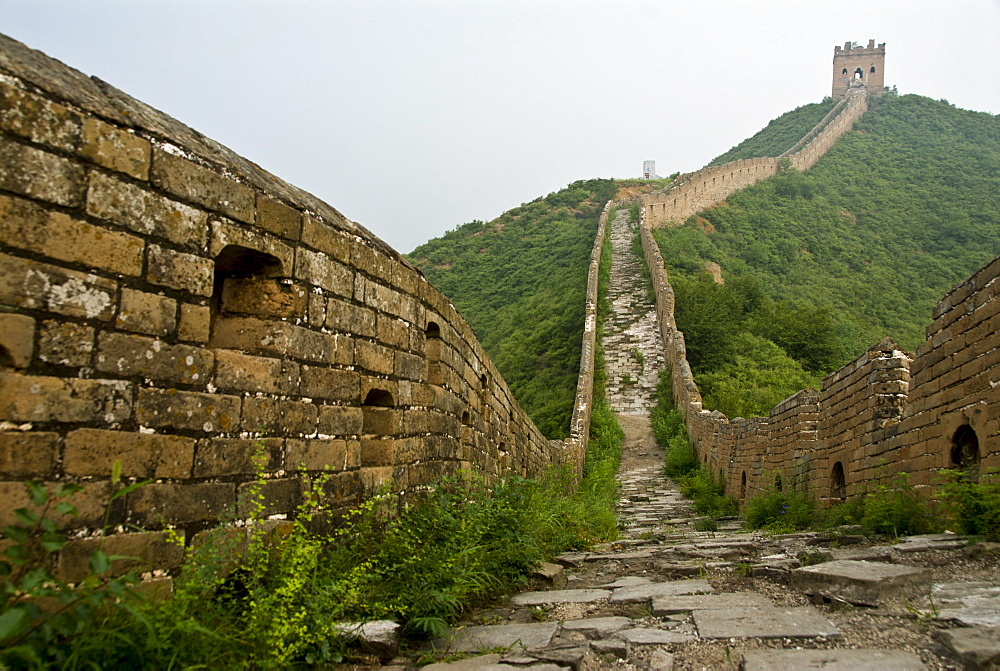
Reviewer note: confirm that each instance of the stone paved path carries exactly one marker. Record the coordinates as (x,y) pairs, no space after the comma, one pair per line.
(667,596)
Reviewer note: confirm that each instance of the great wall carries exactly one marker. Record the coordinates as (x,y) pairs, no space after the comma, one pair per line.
(171,305)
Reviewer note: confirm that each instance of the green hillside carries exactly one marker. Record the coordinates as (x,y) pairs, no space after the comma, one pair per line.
(780,135)
(521,281)
(822,264)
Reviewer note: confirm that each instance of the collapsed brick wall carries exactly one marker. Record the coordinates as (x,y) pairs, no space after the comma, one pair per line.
(887,412)
(695,191)
(166,303)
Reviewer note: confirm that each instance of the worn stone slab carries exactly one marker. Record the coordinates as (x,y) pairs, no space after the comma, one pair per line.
(667,605)
(597,627)
(605,556)
(487,663)
(770,622)
(379,637)
(626,581)
(640,593)
(553,574)
(977,647)
(832,660)
(521,636)
(571,559)
(661,660)
(648,636)
(560,596)
(862,582)
(968,603)
(611,647)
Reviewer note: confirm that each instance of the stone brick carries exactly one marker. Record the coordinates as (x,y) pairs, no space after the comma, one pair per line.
(276,338)
(142,552)
(245,372)
(216,457)
(146,212)
(279,417)
(329,384)
(370,261)
(380,421)
(41,286)
(195,323)
(377,452)
(318,454)
(410,366)
(393,332)
(201,185)
(339,420)
(24,225)
(185,410)
(129,355)
(29,455)
(92,452)
(181,271)
(374,357)
(17,339)
(115,149)
(166,503)
(265,297)
(227,233)
(34,173)
(91,503)
(317,310)
(326,239)
(34,398)
(276,496)
(373,477)
(142,312)
(350,318)
(37,119)
(65,343)
(342,487)
(322,271)
(278,218)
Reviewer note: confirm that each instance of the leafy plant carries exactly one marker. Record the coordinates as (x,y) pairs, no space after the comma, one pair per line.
(973,507)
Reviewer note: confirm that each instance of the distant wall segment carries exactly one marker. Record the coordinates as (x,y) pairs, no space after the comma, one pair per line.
(167,303)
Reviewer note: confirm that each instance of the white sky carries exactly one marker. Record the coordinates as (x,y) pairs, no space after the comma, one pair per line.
(414,116)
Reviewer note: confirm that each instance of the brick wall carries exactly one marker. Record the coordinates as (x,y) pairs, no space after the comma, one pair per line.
(695,191)
(166,303)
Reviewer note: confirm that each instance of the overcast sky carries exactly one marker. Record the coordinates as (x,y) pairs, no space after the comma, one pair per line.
(414,116)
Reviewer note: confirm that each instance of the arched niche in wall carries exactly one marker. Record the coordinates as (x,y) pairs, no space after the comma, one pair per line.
(965,454)
(838,482)
(378,409)
(743,486)
(236,290)
(432,349)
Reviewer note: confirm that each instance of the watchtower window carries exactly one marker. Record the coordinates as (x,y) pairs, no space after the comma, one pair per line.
(838,482)
(433,331)
(235,262)
(743,486)
(432,348)
(872,70)
(844,72)
(859,74)
(965,452)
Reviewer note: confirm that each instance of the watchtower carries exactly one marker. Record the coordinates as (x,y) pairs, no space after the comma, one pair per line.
(858,66)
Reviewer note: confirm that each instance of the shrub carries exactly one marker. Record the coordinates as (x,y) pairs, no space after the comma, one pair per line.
(974,507)
(894,509)
(780,511)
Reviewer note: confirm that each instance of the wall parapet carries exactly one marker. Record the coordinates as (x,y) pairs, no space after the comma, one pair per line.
(169,304)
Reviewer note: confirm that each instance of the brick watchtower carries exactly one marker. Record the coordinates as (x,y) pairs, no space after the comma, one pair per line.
(858,66)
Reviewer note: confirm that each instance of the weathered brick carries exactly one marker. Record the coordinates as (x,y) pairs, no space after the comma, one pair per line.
(34,398)
(322,271)
(326,239)
(142,312)
(226,233)
(393,332)
(340,420)
(144,551)
(92,452)
(370,261)
(91,504)
(329,384)
(37,119)
(65,343)
(215,457)
(317,310)
(24,225)
(129,355)
(26,454)
(271,497)
(350,318)
(374,357)
(169,408)
(265,297)
(244,372)
(380,421)
(278,218)
(377,452)
(195,323)
(146,212)
(166,503)
(277,417)
(273,337)
(115,149)
(410,366)
(34,173)
(17,339)
(203,186)
(181,271)
(318,454)
(42,286)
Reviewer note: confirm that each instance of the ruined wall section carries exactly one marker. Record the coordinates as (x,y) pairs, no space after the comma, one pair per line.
(695,191)
(166,303)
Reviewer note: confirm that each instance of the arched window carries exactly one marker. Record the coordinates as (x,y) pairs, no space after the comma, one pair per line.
(965,452)
(844,72)
(379,419)
(435,374)
(859,74)
(838,482)
(872,70)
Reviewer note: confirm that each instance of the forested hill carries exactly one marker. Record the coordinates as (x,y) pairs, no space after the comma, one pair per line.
(521,281)
(822,264)
(780,135)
